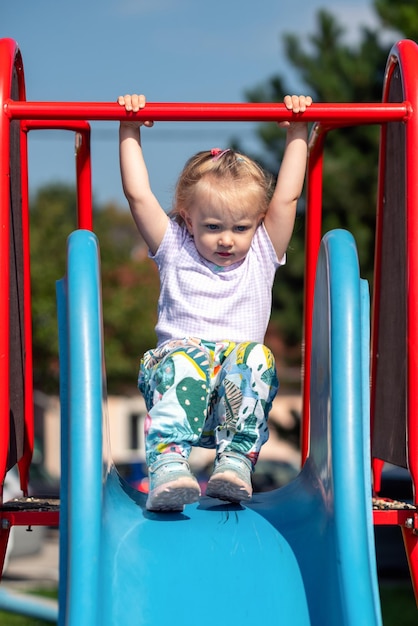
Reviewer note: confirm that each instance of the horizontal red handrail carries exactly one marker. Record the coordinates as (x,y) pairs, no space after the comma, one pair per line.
(43,124)
(211,112)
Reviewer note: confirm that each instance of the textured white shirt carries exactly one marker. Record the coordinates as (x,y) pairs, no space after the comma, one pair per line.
(200,299)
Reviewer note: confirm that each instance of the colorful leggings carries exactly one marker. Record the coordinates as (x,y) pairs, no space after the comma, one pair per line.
(211,395)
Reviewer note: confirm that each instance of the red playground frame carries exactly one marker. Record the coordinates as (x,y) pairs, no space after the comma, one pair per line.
(397,116)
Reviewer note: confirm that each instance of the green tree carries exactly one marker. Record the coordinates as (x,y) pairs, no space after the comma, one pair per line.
(331,70)
(401,15)
(129,285)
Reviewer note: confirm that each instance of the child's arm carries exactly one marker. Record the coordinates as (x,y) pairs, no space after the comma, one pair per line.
(280,217)
(150,218)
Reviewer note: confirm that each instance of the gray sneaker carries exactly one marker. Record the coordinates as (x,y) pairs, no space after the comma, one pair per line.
(231,478)
(171,484)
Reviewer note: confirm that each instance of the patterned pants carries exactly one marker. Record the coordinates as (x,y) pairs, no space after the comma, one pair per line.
(211,395)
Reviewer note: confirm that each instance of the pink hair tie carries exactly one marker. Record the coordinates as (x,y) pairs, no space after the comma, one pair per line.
(217,153)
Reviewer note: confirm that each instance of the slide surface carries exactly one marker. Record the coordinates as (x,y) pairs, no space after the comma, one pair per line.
(300,555)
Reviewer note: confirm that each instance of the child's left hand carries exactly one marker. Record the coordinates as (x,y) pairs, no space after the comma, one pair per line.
(134,103)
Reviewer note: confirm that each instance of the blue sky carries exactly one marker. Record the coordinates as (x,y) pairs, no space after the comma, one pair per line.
(171,50)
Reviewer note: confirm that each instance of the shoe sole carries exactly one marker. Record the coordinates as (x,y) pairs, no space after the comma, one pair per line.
(226,487)
(174,495)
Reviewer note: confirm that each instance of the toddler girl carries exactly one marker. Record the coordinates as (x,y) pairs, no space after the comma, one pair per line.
(210,381)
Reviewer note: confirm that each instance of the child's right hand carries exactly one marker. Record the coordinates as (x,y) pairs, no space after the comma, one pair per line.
(133,103)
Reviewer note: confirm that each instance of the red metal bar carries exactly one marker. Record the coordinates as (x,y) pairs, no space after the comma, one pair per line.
(377,464)
(312,243)
(407,57)
(25,461)
(84,193)
(395,517)
(407,520)
(30,518)
(79,126)
(404,56)
(83,163)
(335,114)
(410,539)
(83,177)
(8,519)
(9,58)
(4,539)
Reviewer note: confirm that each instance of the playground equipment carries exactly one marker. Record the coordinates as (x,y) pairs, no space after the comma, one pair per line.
(303,554)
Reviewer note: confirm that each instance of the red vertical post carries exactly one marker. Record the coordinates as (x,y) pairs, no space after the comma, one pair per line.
(377,464)
(408,62)
(411,548)
(25,461)
(8,58)
(85,220)
(83,173)
(312,243)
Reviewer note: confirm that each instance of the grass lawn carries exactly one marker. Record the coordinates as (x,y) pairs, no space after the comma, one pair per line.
(11,619)
(398,604)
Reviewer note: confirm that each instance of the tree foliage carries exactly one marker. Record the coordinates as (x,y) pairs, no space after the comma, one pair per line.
(332,70)
(401,15)
(129,286)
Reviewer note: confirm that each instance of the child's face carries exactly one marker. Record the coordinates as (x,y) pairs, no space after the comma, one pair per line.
(222,235)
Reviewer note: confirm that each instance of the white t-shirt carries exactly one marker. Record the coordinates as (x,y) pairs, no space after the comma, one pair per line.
(200,299)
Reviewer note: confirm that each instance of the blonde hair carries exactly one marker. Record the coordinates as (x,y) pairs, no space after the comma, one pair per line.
(232,175)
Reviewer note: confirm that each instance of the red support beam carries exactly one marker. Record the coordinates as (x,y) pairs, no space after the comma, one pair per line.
(332,114)
(313,233)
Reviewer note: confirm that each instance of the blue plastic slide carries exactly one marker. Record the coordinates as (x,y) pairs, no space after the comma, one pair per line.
(301,555)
